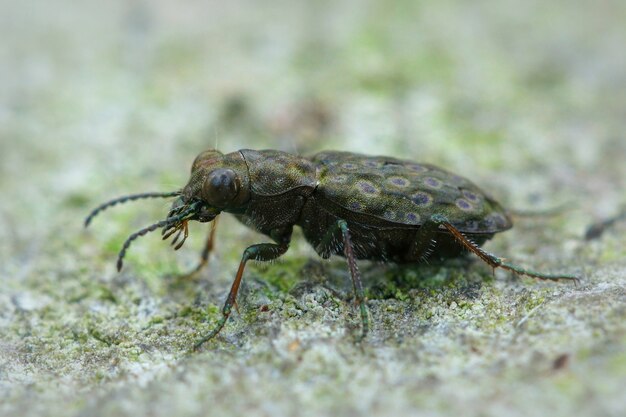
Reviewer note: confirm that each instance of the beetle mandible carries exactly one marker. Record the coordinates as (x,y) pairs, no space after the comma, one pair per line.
(347,204)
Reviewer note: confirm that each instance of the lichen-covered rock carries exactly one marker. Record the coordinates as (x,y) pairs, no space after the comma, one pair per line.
(100,99)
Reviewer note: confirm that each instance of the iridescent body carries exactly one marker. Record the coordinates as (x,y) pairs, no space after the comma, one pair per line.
(347,204)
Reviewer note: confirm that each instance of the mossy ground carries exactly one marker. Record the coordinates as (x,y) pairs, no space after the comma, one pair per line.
(101,99)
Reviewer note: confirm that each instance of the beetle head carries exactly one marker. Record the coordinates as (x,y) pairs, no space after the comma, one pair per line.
(218,182)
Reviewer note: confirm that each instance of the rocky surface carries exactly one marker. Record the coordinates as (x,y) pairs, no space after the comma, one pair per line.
(99,99)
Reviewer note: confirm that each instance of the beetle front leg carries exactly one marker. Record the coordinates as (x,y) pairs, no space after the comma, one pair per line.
(348,252)
(206,251)
(493,260)
(259,252)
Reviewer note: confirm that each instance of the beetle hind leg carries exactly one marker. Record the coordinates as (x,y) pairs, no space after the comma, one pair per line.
(495,261)
(348,251)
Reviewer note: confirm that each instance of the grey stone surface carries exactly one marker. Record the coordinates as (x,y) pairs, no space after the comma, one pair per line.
(99,99)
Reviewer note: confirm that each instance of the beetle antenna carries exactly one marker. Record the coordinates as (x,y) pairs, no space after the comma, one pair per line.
(126,199)
(151,228)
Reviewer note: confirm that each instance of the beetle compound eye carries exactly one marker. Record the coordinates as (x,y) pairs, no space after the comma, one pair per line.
(221,187)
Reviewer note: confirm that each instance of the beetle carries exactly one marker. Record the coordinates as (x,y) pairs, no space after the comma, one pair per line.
(347,204)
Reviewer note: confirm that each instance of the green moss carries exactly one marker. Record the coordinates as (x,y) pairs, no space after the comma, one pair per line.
(107,339)
(282,276)
(77,200)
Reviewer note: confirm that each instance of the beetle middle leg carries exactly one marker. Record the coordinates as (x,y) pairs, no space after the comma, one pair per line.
(259,252)
(493,260)
(348,251)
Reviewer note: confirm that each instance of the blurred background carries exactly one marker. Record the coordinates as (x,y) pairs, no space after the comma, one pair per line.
(99,99)
(473,86)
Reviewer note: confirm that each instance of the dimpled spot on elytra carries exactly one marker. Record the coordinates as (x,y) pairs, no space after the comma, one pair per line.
(371,164)
(398,182)
(339,179)
(416,168)
(464,204)
(422,199)
(412,218)
(349,166)
(390,215)
(355,206)
(433,183)
(367,188)
(471,196)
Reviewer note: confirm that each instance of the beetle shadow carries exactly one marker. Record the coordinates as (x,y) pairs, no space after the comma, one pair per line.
(407,281)
(383,281)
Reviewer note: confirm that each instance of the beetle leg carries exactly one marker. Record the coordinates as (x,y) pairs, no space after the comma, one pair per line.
(259,252)
(325,248)
(206,251)
(208,246)
(495,261)
(348,251)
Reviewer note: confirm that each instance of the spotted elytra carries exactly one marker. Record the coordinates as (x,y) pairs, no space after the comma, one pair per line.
(347,204)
